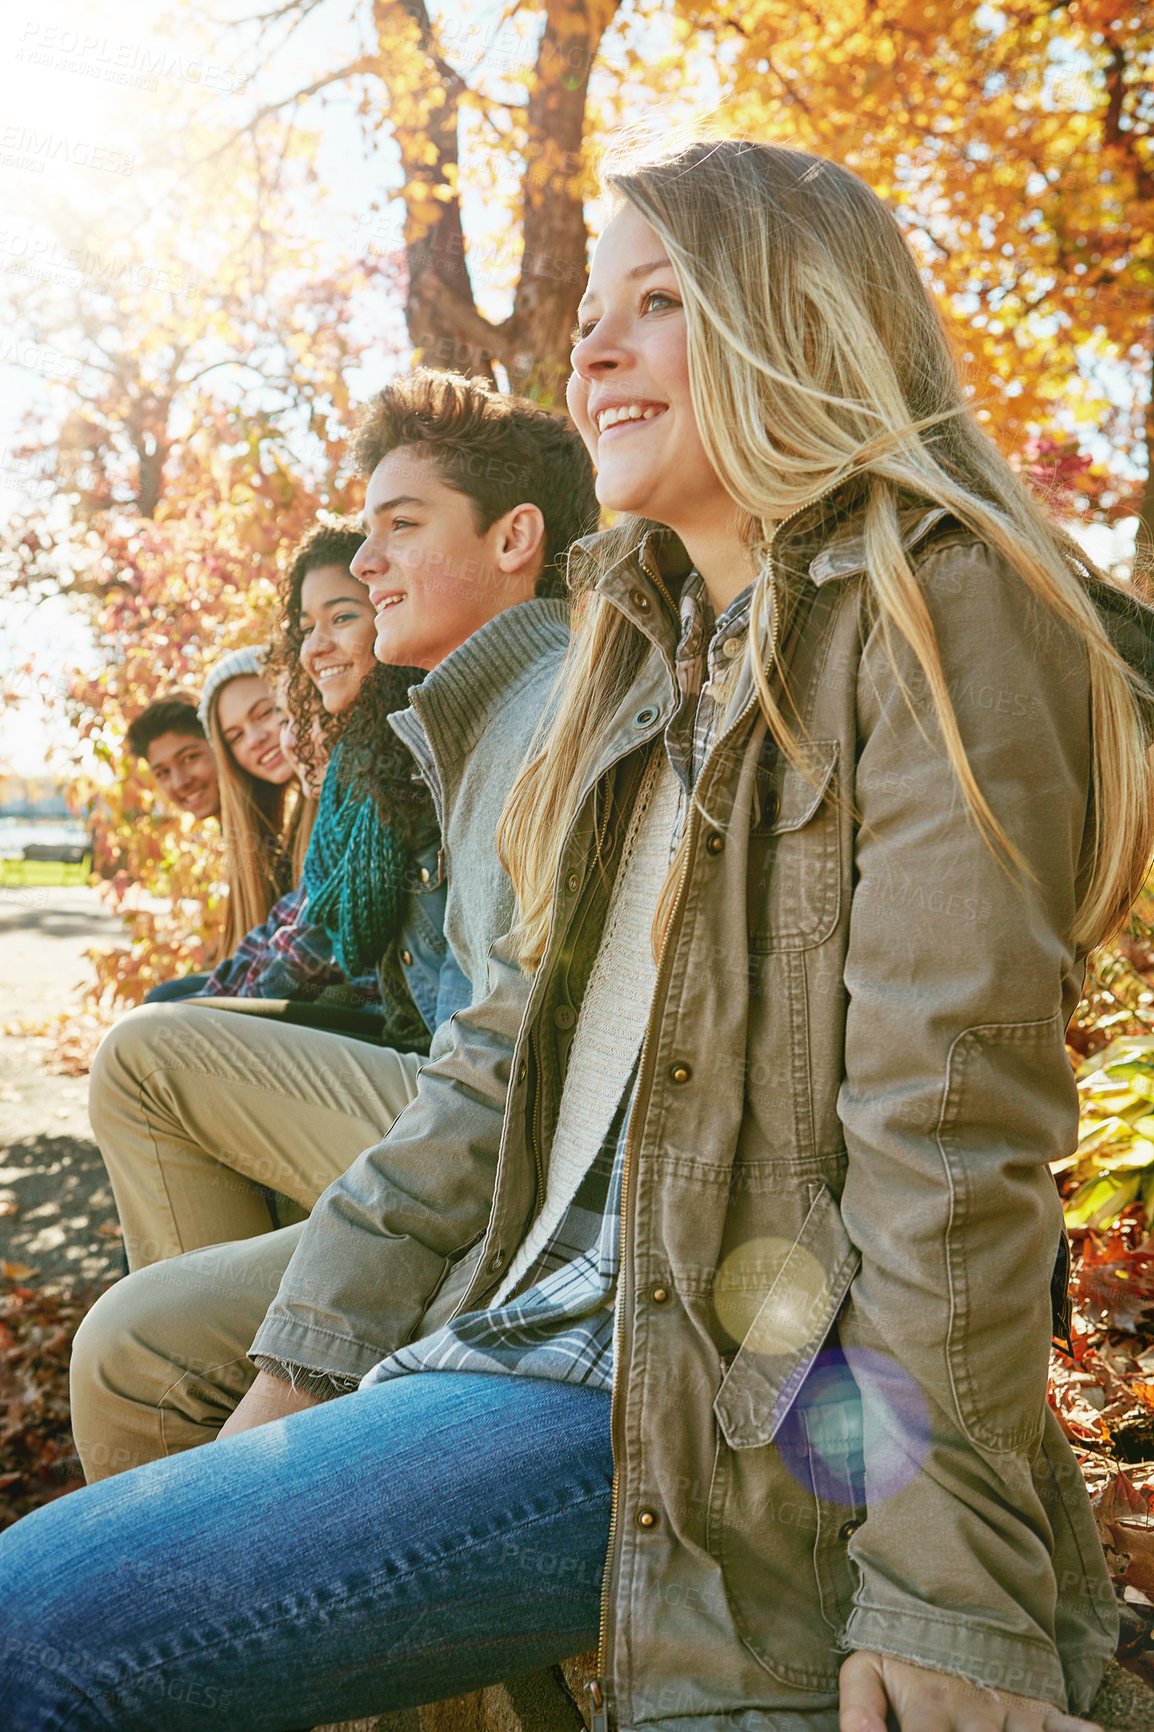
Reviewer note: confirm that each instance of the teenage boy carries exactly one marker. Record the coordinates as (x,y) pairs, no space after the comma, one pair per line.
(472,501)
(169,737)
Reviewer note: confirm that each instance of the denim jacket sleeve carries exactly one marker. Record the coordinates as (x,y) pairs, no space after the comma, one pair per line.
(383,1238)
(961,973)
(421,944)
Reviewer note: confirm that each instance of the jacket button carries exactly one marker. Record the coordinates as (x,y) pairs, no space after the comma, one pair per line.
(424,874)
(573,883)
(847,1531)
(680,1073)
(564,1016)
(732,648)
(522,1071)
(715,843)
(497,1262)
(660,1295)
(646,1518)
(640,600)
(407,958)
(643,717)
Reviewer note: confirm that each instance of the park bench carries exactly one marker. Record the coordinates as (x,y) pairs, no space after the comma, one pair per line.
(555,1701)
(552,1700)
(47,865)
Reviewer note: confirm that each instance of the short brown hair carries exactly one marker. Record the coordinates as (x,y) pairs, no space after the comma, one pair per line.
(498,451)
(171,715)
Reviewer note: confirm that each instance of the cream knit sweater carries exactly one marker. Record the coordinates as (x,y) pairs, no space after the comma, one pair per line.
(614,1011)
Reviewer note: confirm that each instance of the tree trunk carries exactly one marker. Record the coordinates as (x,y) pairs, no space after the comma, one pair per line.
(441,312)
(424,98)
(553,269)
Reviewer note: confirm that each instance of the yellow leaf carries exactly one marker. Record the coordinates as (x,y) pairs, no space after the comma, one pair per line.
(1099,1200)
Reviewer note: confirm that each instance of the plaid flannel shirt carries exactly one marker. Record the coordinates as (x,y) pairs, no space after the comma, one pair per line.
(287,956)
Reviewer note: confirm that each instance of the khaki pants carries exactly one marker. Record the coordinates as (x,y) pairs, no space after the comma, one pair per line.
(195,1110)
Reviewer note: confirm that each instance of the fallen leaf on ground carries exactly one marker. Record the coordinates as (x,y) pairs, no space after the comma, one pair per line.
(38,1460)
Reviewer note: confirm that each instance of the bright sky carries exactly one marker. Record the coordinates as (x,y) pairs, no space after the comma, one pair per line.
(66,125)
(81,84)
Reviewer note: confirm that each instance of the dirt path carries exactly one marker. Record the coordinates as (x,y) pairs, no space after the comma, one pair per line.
(54,1193)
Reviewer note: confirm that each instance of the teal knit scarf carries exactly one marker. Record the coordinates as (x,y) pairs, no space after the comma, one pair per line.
(354,871)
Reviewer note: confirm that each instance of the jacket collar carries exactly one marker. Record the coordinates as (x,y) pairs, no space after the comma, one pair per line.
(647,580)
(645,585)
(454,704)
(844,553)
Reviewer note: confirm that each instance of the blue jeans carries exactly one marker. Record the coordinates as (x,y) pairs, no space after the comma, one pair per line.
(412,1541)
(184,986)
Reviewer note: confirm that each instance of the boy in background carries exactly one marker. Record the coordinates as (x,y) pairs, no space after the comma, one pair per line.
(170,739)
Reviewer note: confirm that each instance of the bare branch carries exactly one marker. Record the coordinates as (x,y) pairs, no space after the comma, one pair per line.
(301,7)
(231,361)
(355,69)
(509,13)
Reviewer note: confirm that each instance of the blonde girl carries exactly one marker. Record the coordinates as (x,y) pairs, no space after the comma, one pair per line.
(264,820)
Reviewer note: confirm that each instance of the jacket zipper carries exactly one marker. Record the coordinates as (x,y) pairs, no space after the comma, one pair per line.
(658,582)
(599,1708)
(596,1687)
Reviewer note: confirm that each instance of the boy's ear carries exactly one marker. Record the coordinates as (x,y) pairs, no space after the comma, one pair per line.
(521,539)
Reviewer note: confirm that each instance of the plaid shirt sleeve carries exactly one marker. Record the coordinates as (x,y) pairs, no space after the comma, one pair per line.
(288,956)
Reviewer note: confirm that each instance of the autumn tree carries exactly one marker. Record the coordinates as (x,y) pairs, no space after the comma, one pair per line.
(532,115)
(198,364)
(180,298)
(1015,143)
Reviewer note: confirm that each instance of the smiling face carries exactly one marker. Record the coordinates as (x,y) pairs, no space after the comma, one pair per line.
(629,391)
(185,772)
(247,719)
(336,620)
(433,577)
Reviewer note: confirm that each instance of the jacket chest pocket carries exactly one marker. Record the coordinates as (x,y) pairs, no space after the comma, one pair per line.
(793,878)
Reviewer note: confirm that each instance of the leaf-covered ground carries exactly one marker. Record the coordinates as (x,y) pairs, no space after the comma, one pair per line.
(1103,1394)
(38,1460)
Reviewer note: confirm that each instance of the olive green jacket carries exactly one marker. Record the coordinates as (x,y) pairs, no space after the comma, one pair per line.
(829,1415)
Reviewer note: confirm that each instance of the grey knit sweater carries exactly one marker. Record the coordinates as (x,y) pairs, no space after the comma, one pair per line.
(469,727)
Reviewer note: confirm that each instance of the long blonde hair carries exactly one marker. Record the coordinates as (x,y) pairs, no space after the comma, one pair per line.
(265,829)
(816,355)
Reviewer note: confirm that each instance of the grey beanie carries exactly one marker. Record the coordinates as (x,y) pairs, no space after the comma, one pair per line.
(233,666)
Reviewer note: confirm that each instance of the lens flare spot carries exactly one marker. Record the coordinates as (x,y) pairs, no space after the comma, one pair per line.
(858,1431)
(771,1295)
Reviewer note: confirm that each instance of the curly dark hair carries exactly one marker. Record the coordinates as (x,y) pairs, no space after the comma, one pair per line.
(372,750)
(499,451)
